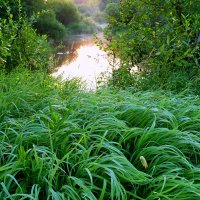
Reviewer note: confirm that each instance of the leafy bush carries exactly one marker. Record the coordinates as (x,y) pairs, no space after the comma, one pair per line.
(160,38)
(7,35)
(21,45)
(112,11)
(31,50)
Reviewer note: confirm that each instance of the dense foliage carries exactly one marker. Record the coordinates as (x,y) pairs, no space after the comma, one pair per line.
(160,38)
(58,142)
(104,3)
(20,45)
(55,16)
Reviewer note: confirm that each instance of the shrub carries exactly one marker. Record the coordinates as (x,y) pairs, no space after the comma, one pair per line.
(160,38)
(21,45)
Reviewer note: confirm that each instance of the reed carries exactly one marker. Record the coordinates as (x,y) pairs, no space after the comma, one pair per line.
(60,142)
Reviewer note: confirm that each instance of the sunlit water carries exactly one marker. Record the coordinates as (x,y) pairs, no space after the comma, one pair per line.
(89,63)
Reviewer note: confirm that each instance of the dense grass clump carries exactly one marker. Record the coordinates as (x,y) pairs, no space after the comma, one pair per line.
(58,142)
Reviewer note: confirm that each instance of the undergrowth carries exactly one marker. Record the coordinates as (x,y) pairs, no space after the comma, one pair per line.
(59,142)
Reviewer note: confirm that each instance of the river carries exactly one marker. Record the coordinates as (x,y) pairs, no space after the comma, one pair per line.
(84,60)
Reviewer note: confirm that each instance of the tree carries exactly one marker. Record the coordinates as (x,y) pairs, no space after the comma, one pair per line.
(160,37)
(54,16)
(112,11)
(66,12)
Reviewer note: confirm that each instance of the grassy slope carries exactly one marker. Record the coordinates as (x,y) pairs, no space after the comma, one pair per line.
(57,142)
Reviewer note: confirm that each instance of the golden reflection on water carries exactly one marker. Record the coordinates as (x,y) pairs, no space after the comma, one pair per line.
(89,63)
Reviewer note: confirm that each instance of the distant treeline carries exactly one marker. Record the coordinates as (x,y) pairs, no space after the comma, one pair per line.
(94,9)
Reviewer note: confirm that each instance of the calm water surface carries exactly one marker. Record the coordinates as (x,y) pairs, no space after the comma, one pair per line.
(84,60)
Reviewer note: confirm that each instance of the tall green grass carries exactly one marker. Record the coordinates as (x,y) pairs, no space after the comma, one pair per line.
(60,142)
